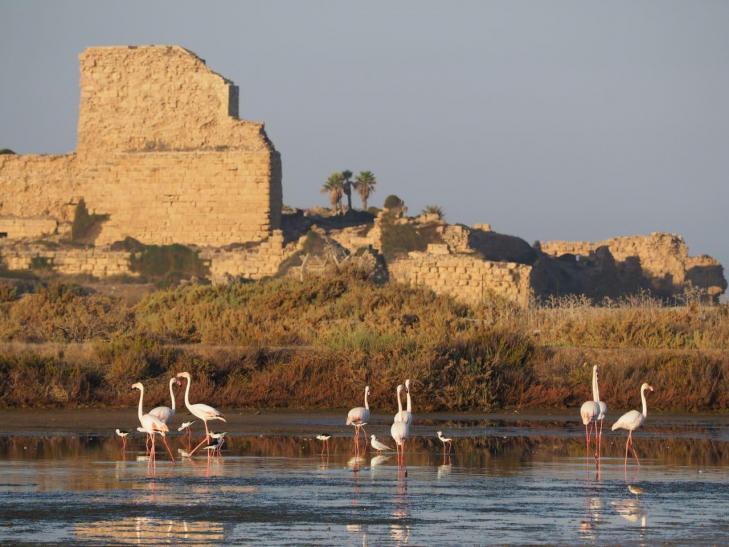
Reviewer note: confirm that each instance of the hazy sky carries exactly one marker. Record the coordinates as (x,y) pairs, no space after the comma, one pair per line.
(549,120)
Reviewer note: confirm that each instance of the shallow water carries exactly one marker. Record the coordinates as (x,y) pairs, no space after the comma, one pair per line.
(512,478)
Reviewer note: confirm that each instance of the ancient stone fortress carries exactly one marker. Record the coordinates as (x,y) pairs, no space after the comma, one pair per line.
(162,158)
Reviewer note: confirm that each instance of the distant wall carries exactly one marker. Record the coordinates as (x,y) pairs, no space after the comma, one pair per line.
(465,277)
(663,259)
(161,154)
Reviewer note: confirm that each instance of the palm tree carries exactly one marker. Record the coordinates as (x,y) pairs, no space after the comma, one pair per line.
(434,210)
(334,186)
(365,186)
(347,187)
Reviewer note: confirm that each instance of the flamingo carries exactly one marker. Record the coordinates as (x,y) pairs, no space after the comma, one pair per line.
(200,410)
(603,408)
(400,431)
(590,410)
(359,416)
(377,445)
(631,421)
(447,441)
(123,435)
(406,415)
(324,438)
(165,413)
(151,424)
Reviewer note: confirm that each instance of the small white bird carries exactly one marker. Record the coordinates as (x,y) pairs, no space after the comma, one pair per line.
(185,425)
(447,442)
(631,421)
(324,438)
(377,445)
(183,453)
(214,448)
(220,440)
(123,435)
(359,416)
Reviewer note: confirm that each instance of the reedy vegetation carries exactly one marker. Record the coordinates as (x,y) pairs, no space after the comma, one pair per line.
(315,343)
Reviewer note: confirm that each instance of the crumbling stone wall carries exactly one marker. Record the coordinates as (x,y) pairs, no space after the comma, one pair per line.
(663,258)
(95,262)
(160,151)
(463,276)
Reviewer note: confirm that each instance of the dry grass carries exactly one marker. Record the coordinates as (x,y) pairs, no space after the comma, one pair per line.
(334,334)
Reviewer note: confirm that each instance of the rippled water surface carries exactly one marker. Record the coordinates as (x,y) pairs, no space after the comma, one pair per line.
(512,478)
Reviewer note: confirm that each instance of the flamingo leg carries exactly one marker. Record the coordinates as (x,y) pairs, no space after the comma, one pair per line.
(198,446)
(587,439)
(169,450)
(635,454)
(207,432)
(627,444)
(599,440)
(364,434)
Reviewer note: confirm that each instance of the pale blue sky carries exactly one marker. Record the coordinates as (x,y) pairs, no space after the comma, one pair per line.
(549,120)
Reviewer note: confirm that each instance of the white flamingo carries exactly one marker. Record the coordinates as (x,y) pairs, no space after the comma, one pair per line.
(377,445)
(200,411)
(400,431)
(631,421)
(406,415)
(151,424)
(603,408)
(590,410)
(359,416)
(165,413)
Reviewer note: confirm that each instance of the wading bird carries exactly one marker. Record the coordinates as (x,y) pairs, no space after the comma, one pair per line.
(400,431)
(324,438)
(377,445)
(590,410)
(200,411)
(123,435)
(406,415)
(603,409)
(165,413)
(631,421)
(447,442)
(358,417)
(219,439)
(151,424)
(188,432)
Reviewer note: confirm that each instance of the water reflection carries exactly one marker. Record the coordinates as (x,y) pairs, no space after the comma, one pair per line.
(149,531)
(279,489)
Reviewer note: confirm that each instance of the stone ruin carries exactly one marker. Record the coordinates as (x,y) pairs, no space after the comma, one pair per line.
(162,158)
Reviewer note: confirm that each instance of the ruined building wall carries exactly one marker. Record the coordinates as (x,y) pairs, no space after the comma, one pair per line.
(663,257)
(160,152)
(466,277)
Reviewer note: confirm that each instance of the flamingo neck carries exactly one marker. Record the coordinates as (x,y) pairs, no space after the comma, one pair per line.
(410,402)
(172,394)
(595,388)
(140,412)
(367,406)
(187,393)
(399,403)
(645,404)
